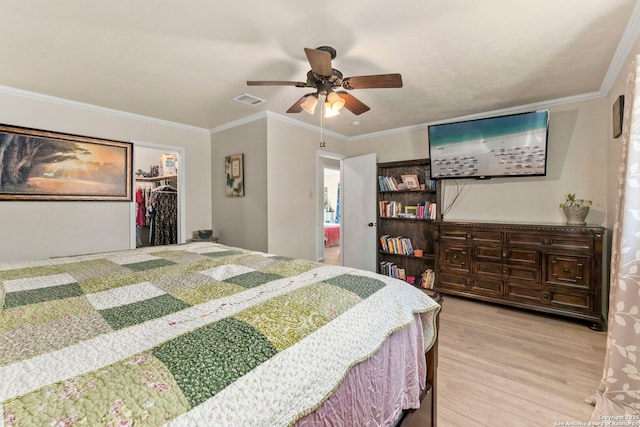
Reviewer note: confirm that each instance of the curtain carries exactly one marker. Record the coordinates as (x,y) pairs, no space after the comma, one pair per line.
(619,389)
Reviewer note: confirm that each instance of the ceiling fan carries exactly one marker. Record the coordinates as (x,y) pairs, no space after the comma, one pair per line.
(324,79)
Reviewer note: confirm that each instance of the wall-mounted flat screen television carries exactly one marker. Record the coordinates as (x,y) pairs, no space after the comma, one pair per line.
(502,146)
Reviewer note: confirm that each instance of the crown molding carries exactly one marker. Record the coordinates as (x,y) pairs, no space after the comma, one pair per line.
(501,112)
(504,111)
(275,116)
(95,108)
(239,122)
(627,41)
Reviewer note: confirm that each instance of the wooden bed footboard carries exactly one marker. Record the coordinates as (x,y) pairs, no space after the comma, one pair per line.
(426,414)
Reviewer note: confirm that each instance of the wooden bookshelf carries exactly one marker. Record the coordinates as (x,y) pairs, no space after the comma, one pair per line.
(398,221)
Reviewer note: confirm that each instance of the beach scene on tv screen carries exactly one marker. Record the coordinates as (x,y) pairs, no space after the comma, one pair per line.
(498,146)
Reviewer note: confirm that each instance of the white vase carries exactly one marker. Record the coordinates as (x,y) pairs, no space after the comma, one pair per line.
(576,214)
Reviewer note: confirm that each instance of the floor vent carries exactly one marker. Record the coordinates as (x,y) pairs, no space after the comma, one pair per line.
(251,100)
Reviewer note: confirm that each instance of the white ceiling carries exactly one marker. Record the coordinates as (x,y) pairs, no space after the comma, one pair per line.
(185,61)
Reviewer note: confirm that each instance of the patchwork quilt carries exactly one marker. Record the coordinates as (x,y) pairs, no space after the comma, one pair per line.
(191,335)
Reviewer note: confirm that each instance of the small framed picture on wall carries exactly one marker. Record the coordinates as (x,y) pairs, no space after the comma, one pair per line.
(618,115)
(234,175)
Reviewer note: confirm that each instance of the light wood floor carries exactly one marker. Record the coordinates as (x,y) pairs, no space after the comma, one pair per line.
(332,255)
(506,367)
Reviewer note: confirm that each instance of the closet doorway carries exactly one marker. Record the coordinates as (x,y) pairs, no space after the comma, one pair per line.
(157,210)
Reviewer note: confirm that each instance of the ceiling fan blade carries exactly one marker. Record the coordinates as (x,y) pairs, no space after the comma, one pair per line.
(274,83)
(373,82)
(297,107)
(353,104)
(320,61)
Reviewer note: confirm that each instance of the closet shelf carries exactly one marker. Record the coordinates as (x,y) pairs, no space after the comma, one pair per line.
(156,178)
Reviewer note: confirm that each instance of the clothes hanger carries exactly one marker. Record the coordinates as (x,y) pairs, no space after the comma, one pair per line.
(166,188)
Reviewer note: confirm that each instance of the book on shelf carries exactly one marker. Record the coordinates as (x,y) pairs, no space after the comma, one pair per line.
(428,279)
(383,242)
(388,268)
(389,208)
(427,210)
(429,184)
(394,209)
(408,182)
(396,245)
(389,183)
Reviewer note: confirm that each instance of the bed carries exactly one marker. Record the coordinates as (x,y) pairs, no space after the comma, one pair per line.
(204,334)
(331,234)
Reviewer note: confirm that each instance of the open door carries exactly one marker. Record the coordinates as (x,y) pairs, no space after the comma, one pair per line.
(358,236)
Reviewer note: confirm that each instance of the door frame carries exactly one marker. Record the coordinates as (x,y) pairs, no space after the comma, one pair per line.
(182,227)
(320,154)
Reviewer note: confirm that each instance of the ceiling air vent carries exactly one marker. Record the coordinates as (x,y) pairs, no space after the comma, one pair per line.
(251,100)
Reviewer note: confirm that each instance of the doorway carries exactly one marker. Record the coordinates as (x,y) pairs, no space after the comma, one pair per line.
(331,212)
(329,207)
(358,209)
(158,179)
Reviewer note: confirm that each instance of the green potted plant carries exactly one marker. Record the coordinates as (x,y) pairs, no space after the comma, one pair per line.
(575,210)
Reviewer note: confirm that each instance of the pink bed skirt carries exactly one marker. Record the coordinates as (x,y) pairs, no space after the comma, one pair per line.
(331,234)
(375,391)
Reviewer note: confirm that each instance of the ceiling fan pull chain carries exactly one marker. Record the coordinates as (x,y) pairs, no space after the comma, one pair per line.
(322,144)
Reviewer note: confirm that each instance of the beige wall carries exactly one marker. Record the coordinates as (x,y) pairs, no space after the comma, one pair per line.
(32,230)
(279,211)
(576,149)
(241,221)
(293,214)
(614,146)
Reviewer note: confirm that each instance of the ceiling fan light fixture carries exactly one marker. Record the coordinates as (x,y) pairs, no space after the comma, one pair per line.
(335,101)
(329,111)
(309,104)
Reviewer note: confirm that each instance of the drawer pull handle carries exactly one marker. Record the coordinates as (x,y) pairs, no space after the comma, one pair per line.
(504,271)
(546,241)
(546,296)
(566,269)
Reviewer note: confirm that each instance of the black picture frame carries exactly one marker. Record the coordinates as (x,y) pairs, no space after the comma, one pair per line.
(618,116)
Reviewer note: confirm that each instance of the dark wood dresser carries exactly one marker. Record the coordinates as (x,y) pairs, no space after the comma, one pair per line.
(554,269)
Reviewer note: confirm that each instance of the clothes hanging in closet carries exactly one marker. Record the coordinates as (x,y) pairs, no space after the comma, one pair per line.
(141,220)
(164,216)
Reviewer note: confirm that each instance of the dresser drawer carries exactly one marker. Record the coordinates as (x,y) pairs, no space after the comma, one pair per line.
(570,242)
(523,256)
(524,293)
(456,258)
(453,235)
(568,270)
(522,274)
(488,269)
(453,282)
(487,287)
(487,237)
(488,253)
(571,300)
(524,238)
